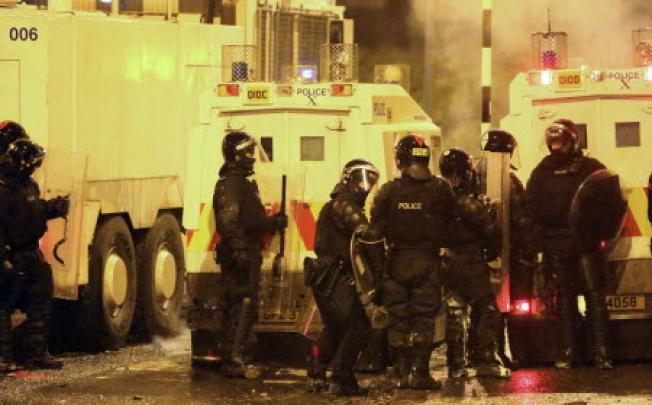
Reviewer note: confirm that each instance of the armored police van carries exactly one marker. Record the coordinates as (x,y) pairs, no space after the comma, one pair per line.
(307,128)
(132,100)
(612,109)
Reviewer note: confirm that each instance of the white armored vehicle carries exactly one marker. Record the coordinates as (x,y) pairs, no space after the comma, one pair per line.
(132,100)
(613,111)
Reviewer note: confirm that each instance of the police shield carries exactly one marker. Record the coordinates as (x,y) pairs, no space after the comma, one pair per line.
(597,213)
(365,279)
(64,174)
(494,181)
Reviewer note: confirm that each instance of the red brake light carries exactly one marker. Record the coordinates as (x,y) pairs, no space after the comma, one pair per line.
(341,90)
(521,307)
(228,90)
(233,89)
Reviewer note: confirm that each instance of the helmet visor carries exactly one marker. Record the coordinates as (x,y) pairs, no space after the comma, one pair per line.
(247,149)
(559,138)
(364,178)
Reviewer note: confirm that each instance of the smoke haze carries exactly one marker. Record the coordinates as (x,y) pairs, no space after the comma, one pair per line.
(599,35)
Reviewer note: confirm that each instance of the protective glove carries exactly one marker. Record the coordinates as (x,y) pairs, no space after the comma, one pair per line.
(7,269)
(277,222)
(7,266)
(379,317)
(58,207)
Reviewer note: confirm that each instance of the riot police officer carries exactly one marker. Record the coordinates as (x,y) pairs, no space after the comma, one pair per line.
(413,213)
(346,326)
(523,241)
(241,222)
(27,277)
(466,278)
(9,132)
(551,188)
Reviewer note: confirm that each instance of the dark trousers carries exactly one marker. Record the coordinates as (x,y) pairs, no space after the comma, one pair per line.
(28,288)
(346,326)
(412,296)
(237,304)
(467,283)
(572,273)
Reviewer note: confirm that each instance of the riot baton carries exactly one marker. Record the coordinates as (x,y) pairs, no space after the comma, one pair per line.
(278,268)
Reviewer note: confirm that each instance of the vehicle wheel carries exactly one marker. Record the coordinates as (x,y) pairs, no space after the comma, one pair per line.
(109,300)
(161,278)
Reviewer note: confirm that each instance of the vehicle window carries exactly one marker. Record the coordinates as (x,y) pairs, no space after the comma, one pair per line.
(267,143)
(583,135)
(312,148)
(628,134)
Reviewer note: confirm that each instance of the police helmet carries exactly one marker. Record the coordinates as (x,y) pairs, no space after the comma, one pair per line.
(238,147)
(9,132)
(24,156)
(562,137)
(360,174)
(456,162)
(498,140)
(412,155)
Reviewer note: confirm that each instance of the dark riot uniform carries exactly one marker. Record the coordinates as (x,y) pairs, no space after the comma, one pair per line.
(551,188)
(467,276)
(414,216)
(27,285)
(524,242)
(241,222)
(346,326)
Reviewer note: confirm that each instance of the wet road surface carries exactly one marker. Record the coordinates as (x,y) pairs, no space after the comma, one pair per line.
(160,373)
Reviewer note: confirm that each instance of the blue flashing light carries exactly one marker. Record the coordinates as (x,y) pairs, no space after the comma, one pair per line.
(307,74)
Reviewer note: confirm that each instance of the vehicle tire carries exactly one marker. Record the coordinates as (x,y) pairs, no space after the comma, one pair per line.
(109,300)
(161,278)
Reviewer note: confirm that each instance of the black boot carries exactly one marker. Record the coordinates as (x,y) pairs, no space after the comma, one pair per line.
(601,359)
(456,334)
(403,366)
(490,365)
(43,362)
(567,312)
(316,375)
(238,364)
(565,359)
(374,357)
(489,329)
(345,384)
(420,378)
(7,364)
(593,269)
(599,323)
